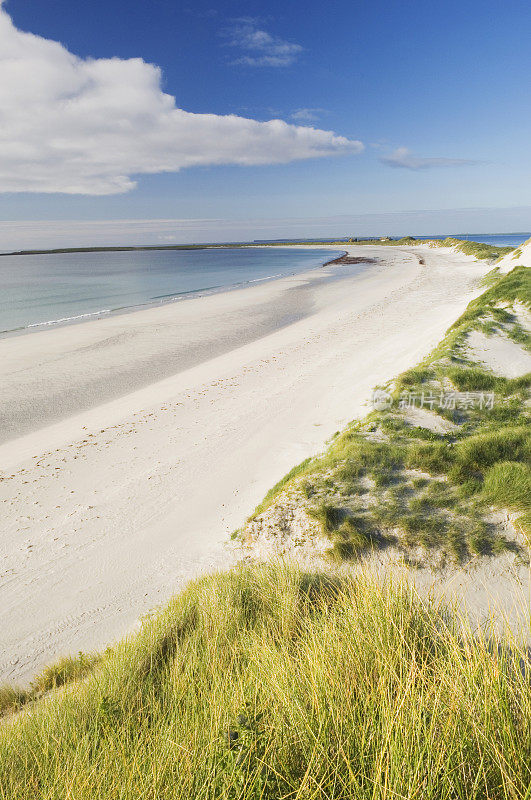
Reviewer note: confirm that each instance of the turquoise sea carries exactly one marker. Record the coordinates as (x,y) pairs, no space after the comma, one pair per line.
(43,291)
(40,291)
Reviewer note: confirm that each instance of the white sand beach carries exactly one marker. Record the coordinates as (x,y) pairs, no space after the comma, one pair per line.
(147,438)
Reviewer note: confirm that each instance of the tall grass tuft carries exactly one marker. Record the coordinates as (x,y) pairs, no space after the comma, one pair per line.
(268,682)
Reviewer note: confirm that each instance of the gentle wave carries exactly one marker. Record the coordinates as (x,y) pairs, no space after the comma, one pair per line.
(268,278)
(171,296)
(226,287)
(61,320)
(68,319)
(176,296)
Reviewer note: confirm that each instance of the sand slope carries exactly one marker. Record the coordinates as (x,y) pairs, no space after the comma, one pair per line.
(498,353)
(108,511)
(521,255)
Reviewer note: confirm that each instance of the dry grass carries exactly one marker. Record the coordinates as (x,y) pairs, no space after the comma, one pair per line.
(272,683)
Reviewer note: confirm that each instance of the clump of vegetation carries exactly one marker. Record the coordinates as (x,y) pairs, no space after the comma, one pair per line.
(351,534)
(413,377)
(12,698)
(407,240)
(475,454)
(66,670)
(508,484)
(288,684)
(512,287)
(297,471)
(329,516)
(373,495)
(471,379)
(477,249)
(432,457)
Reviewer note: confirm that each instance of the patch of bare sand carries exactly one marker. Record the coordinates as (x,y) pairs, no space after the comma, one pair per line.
(498,353)
(424,418)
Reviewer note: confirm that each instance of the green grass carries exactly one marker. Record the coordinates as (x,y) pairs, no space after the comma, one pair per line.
(12,698)
(471,379)
(476,249)
(369,478)
(329,516)
(515,286)
(296,472)
(475,454)
(434,457)
(66,670)
(441,514)
(350,534)
(268,683)
(414,377)
(508,484)
(484,313)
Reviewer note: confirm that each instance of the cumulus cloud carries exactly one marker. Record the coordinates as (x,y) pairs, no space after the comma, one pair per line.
(402,158)
(260,48)
(87,126)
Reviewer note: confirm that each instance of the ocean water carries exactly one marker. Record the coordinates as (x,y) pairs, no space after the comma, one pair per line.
(40,291)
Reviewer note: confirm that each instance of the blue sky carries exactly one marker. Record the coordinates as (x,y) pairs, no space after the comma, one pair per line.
(437,93)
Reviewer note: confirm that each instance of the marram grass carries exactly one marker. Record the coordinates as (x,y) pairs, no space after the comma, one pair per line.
(268,682)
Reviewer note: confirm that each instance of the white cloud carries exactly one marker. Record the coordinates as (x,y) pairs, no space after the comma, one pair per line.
(260,48)
(307,114)
(402,158)
(86,126)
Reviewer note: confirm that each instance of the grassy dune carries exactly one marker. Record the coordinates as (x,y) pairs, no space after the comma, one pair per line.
(477,249)
(430,492)
(268,682)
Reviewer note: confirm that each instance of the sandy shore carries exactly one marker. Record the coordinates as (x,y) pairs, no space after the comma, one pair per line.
(49,377)
(111,500)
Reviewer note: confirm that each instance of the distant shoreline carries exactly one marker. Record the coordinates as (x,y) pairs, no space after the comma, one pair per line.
(60,250)
(409,240)
(148,247)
